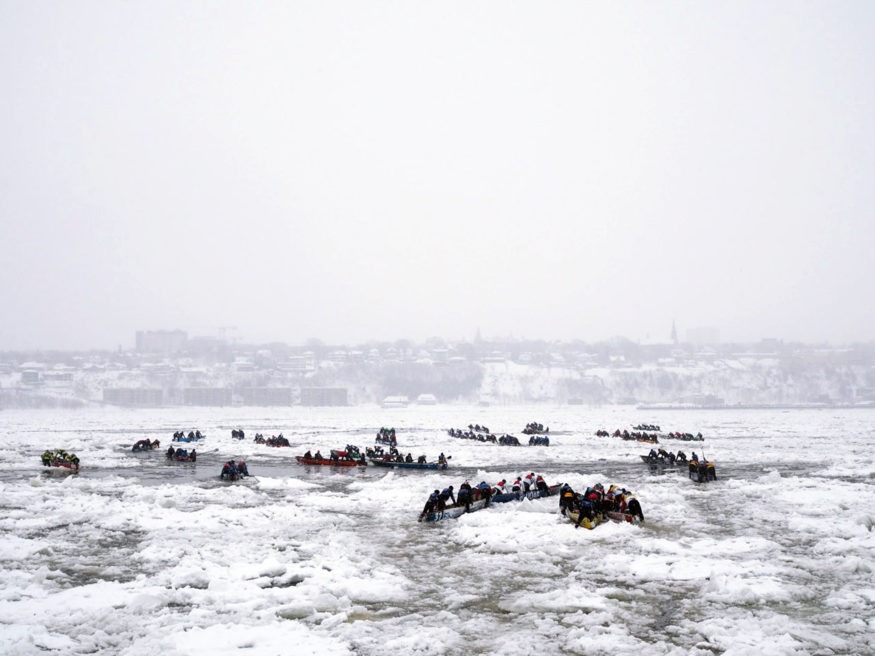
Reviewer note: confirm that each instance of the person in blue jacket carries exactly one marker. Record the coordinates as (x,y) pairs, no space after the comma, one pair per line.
(430,504)
(446,493)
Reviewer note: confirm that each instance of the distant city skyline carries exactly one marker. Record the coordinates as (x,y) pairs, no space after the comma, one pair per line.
(168,369)
(177,340)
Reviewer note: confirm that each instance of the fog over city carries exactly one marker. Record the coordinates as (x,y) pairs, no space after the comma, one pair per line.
(368,328)
(376,171)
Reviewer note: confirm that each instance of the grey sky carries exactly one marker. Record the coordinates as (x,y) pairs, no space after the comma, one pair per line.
(378,170)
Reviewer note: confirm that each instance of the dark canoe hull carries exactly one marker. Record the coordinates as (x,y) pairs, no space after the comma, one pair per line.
(451,512)
(519,496)
(329,463)
(407,465)
(188,439)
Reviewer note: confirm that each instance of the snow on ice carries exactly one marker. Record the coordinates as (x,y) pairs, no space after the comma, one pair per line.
(141,556)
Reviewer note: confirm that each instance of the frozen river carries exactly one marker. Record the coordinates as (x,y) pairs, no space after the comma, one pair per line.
(137,555)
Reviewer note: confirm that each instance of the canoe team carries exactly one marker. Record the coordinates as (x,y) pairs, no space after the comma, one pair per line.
(60,458)
(467,494)
(596,500)
(233,471)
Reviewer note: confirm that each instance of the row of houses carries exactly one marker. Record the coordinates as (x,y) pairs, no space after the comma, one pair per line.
(226,396)
(253,396)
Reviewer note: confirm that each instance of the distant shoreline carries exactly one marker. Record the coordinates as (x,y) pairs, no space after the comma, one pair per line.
(755,406)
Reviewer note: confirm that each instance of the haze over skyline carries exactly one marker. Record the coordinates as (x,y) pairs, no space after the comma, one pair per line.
(375,171)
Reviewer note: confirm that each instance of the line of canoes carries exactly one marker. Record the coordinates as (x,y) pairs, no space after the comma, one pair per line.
(588,509)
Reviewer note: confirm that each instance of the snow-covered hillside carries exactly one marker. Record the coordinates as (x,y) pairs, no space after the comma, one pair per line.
(797,379)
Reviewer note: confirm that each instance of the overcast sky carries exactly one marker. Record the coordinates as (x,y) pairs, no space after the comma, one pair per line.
(355,171)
